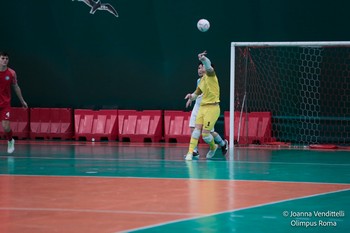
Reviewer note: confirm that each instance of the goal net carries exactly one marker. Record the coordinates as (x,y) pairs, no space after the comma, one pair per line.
(304,85)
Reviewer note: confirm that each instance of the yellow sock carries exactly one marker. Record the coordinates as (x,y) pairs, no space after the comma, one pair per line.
(212,145)
(193,144)
(209,140)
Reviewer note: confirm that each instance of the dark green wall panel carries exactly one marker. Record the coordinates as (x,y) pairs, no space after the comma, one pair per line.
(146,58)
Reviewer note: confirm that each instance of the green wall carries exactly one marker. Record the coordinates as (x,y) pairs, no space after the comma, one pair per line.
(146,58)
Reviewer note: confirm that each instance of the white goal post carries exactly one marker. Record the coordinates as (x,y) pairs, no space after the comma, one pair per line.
(302,72)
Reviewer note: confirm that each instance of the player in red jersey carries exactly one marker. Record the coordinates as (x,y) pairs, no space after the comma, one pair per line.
(8,78)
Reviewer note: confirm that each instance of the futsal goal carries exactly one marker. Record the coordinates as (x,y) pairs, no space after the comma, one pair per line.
(304,85)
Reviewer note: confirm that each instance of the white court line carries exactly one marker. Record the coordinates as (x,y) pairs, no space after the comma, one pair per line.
(98,211)
(184,219)
(235,210)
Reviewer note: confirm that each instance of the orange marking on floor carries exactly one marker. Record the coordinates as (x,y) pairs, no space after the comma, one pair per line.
(35,204)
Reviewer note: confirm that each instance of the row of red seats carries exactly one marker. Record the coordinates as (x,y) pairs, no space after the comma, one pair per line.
(250,128)
(124,125)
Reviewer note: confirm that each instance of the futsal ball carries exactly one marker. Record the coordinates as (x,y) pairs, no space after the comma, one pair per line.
(203,25)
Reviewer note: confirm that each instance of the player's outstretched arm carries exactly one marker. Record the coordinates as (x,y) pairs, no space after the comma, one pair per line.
(206,62)
(190,98)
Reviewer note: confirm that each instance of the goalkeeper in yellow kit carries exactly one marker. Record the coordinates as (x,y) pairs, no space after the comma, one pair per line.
(209,110)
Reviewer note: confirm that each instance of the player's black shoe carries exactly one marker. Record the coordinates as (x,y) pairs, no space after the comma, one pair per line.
(195,154)
(224,148)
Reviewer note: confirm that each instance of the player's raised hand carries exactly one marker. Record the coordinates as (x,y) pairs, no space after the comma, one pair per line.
(202,55)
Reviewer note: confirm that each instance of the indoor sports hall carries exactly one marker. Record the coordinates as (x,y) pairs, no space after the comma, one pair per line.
(137,182)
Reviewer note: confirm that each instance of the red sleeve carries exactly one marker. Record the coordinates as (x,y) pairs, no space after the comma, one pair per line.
(14,76)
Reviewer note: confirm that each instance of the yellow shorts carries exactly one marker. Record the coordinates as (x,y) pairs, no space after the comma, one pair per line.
(208,115)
